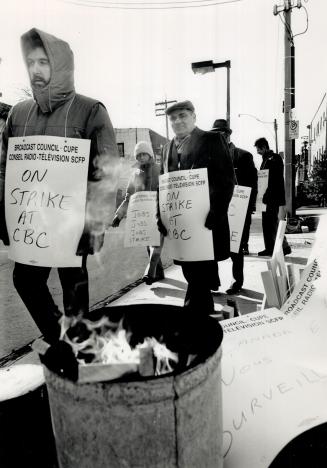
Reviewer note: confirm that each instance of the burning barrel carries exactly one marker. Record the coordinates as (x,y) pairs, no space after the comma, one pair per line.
(168,421)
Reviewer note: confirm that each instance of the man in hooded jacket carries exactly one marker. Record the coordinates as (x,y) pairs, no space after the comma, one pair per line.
(57,110)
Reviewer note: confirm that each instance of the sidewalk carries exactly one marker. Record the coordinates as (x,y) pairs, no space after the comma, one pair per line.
(172,289)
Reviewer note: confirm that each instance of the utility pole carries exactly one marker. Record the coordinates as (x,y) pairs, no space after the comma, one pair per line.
(276,135)
(162,111)
(289,100)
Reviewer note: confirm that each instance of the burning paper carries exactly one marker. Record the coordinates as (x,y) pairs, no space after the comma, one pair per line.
(103,351)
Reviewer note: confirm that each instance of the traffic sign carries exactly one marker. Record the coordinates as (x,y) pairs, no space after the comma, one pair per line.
(293,129)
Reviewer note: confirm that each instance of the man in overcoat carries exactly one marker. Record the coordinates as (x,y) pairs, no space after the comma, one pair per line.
(273,198)
(192,148)
(57,110)
(245,175)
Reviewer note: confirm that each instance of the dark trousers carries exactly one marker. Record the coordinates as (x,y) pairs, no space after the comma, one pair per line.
(270,226)
(31,284)
(238,267)
(155,268)
(246,230)
(200,277)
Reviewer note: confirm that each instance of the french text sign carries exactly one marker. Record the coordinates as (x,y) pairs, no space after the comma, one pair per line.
(237,210)
(141,225)
(274,383)
(263,176)
(46,182)
(184,205)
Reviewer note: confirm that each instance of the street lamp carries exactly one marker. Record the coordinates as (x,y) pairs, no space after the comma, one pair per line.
(207,67)
(274,123)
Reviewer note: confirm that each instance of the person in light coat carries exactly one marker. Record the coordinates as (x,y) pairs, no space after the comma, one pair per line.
(144,177)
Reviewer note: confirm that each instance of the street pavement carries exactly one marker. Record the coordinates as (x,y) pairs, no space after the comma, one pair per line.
(172,289)
(112,269)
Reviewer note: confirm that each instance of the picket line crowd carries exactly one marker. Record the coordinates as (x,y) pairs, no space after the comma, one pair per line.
(58,111)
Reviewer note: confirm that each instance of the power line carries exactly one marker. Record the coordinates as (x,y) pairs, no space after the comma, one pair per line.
(153,3)
(154,6)
(307,26)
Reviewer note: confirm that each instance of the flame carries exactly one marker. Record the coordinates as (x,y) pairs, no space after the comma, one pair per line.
(109,343)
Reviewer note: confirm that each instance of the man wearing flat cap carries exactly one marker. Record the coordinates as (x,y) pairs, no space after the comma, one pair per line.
(245,174)
(192,148)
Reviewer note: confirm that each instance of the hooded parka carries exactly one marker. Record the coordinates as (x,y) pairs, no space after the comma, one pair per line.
(57,110)
(144,177)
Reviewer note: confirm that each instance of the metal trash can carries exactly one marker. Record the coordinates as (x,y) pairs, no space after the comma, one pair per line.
(168,421)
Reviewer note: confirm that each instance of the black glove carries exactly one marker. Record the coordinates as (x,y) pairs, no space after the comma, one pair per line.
(264,198)
(90,243)
(210,221)
(115,222)
(4,234)
(161,228)
(3,228)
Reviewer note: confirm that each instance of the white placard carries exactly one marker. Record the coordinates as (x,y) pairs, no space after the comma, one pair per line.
(263,175)
(141,225)
(45,196)
(274,382)
(319,249)
(237,210)
(184,205)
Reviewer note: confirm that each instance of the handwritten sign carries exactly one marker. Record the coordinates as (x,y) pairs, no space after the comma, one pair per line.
(237,210)
(274,383)
(263,176)
(46,182)
(319,250)
(303,291)
(141,226)
(184,205)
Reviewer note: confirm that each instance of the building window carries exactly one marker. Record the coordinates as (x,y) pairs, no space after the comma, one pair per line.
(121,149)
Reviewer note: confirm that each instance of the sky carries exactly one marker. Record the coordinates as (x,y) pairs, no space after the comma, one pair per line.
(130,58)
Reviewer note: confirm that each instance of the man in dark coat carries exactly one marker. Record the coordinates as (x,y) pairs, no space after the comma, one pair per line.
(192,148)
(273,198)
(246,175)
(57,110)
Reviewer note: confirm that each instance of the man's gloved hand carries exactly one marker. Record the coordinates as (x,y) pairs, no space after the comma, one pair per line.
(210,221)
(3,228)
(264,198)
(282,212)
(4,234)
(161,227)
(90,243)
(115,222)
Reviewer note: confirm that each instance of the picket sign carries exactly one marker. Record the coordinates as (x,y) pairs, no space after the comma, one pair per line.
(45,197)
(141,226)
(237,211)
(184,205)
(263,176)
(274,373)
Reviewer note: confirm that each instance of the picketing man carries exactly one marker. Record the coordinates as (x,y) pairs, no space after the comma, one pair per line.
(245,175)
(273,198)
(192,148)
(57,110)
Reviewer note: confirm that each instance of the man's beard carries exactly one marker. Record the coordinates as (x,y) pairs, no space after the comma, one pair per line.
(39,83)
